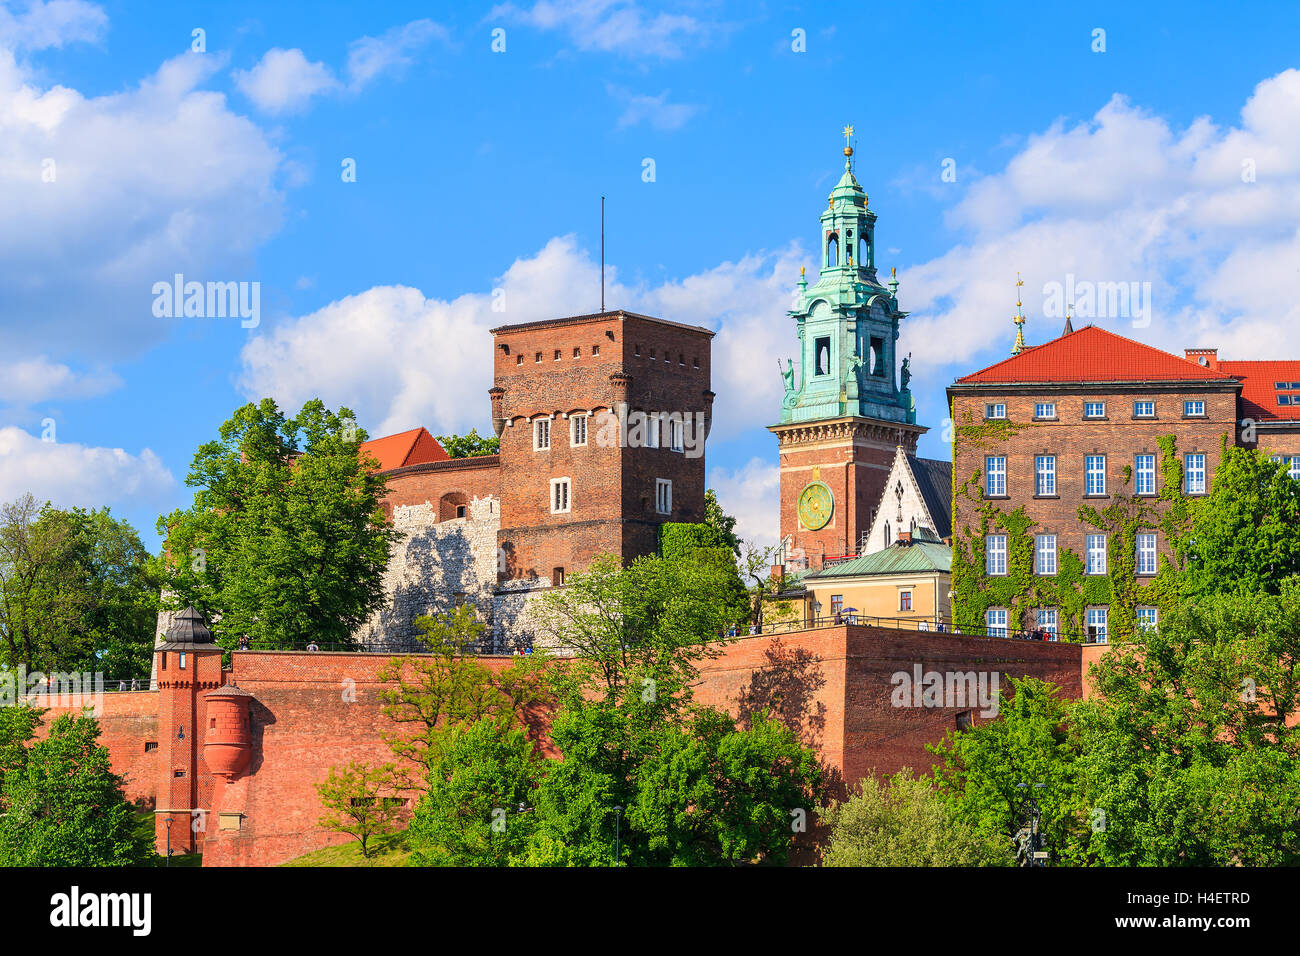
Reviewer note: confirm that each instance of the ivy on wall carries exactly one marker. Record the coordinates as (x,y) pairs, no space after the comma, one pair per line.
(1070,591)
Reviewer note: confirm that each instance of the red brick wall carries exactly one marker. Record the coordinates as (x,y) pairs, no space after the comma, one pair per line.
(444,484)
(128,720)
(834,686)
(302,724)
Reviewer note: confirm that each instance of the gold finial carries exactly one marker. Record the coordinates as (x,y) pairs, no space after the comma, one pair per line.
(893,272)
(848,132)
(801,271)
(1019,319)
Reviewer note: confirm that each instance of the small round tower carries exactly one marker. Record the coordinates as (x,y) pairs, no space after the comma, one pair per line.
(228,738)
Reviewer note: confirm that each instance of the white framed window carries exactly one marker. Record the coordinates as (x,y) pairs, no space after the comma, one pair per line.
(182,659)
(1194,408)
(541,434)
(995,554)
(1147,618)
(1047,621)
(663,496)
(1094,474)
(1045,554)
(995,620)
(1145,471)
(676,434)
(561,497)
(998,410)
(1094,409)
(905,600)
(578,430)
(1146,553)
(652,430)
(1045,475)
(1194,474)
(1144,409)
(1045,410)
(1096,554)
(1098,623)
(995,476)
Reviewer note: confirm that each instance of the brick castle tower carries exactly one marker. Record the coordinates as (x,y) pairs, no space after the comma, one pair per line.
(602,420)
(845,410)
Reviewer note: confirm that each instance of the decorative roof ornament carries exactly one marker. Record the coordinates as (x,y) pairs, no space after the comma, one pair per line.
(893,282)
(1019,319)
(1069,327)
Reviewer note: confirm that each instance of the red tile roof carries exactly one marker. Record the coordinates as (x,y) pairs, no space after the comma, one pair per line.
(1093,354)
(1259,388)
(414,447)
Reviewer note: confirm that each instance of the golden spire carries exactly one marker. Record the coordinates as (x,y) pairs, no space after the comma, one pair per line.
(1019,319)
(848,132)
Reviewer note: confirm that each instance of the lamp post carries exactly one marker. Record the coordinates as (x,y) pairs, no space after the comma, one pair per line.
(618,817)
(1036,855)
(167,821)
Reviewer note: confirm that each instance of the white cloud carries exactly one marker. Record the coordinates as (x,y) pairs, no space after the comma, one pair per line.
(38,379)
(41,25)
(71,474)
(752,495)
(655,110)
(1126,197)
(613,26)
(369,57)
(374,351)
(284,81)
(103,196)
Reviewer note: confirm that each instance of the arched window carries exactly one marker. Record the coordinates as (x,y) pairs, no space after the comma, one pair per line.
(887,541)
(864,252)
(833,250)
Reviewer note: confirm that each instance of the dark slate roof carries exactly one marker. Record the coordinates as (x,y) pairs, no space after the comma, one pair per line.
(934,478)
(898,558)
(188,630)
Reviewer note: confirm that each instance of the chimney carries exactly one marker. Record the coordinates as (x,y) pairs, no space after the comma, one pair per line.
(1208,358)
(905,538)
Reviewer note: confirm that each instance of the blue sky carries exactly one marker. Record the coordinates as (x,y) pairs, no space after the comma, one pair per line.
(479,170)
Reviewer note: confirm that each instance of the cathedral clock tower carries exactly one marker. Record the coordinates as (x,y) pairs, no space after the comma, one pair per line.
(846,408)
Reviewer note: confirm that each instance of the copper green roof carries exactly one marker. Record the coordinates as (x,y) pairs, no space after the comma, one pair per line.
(918,557)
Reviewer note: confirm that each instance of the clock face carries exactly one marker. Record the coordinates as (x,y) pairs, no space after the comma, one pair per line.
(816,505)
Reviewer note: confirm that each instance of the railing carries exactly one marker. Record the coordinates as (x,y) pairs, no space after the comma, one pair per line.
(486,646)
(943,626)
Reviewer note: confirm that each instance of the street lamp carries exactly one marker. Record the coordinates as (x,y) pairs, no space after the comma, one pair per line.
(618,816)
(1035,835)
(168,822)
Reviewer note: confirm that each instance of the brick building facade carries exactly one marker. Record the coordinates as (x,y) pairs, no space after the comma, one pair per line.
(1084,421)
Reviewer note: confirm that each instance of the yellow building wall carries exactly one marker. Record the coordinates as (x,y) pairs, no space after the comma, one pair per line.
(879,596)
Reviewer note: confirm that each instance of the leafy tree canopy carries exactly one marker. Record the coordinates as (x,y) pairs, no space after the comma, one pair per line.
(77,592)
(286,540)
(469,446)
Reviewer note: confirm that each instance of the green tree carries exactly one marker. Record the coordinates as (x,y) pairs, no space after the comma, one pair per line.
(286,539)
(76,592)
(1186,756)
(902,821)
(17,727)
(1245,533)
(360,800)
(451,686)
(65,807)
(1030,742)
(723,523)
(469,446)
(478,809)
(692,787)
